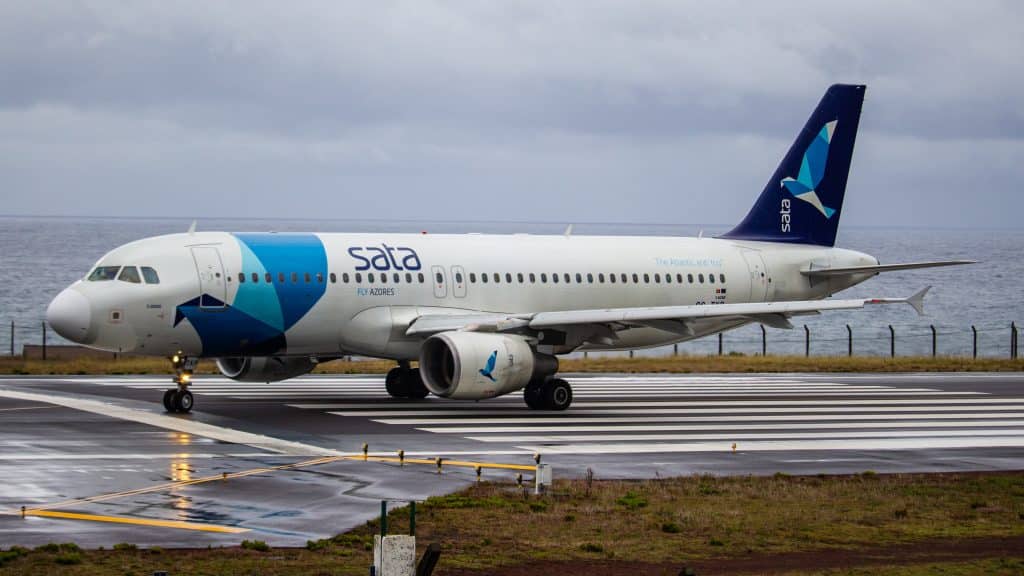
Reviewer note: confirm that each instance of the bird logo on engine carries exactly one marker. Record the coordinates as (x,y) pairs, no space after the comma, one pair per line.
(489,368)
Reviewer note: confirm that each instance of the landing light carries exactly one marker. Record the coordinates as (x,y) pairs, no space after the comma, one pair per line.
(186,378)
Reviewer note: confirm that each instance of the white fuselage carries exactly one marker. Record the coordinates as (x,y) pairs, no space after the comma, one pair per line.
(358,293)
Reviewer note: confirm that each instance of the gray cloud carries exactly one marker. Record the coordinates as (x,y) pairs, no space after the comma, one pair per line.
(639,111)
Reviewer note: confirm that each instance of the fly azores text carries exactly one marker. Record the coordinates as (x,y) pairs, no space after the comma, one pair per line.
(377,291)
(384,258)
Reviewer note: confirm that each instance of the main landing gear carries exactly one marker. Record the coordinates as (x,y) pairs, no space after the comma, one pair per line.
(550,394)
(180,399)
(405,382)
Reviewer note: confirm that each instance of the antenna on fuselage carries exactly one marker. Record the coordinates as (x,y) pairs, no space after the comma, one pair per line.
(568,230)
(192,228)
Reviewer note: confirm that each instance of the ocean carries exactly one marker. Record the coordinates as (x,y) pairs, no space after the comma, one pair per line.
(42,255)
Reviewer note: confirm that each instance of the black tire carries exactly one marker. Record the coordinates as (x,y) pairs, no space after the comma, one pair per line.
(183,401)
(393,383)
(413,384)
(533,395)
(557,394)
(169,400)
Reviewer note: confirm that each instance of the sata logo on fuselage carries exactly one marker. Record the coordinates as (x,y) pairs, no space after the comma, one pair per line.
(385,258)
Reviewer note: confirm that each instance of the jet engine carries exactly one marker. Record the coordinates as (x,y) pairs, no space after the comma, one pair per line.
(475,365)
(265,368)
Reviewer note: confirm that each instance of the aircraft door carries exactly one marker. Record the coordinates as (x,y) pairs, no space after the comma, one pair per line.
(458,282)
(439,280)
(758,276)
(212,288)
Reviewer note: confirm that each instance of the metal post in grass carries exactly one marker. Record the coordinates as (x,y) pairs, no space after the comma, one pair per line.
(849,340)
(892,342)
(383,518)
(764,341)
(12,337)
(1013,340)
(675,349)
(630,353)
(412,517)
(807,341)
(932,326)
(974,352)
(44,340)
(719,343)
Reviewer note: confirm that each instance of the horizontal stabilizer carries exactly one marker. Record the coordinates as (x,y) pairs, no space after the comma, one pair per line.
(850,270)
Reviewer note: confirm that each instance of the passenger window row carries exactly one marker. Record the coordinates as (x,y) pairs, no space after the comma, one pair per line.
(485,278)
(127,274)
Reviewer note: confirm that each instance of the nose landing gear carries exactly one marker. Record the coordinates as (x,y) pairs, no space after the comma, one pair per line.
(180,399)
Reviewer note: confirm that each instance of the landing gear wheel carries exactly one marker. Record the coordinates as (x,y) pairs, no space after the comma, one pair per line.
(413,384)
(183,401)
(557,394)
(169,400)
(533,395)
(393,383)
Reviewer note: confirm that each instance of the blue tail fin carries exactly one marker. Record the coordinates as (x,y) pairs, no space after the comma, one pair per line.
(804,199)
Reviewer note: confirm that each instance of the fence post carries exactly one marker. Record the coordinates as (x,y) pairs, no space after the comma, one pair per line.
(675,349)
(974,330)
(849,340)
(892,342)
(44,340)
(584,354)
(807,341)
(1013,340)
(932,326)
(630,353)
(719,343)
(764,341)
(12,337)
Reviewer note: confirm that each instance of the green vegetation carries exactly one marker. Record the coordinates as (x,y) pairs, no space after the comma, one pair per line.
(731,363)
(858,524)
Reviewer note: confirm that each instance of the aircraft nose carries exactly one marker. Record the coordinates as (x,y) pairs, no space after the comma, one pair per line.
(69,315)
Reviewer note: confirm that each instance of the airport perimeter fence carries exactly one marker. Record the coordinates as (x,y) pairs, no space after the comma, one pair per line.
(989,340)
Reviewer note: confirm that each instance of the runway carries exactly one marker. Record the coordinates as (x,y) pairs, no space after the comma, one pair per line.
(79,436)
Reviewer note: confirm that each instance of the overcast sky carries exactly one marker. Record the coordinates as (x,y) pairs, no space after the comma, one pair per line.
(584,111)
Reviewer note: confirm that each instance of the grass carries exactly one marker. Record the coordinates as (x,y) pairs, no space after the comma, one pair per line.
(676,520)
(669,364)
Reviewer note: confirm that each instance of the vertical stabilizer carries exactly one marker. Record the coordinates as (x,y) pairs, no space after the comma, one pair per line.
(803,200)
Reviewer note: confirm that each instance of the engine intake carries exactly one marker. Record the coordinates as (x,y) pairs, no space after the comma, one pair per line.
(264,368)
(474,365)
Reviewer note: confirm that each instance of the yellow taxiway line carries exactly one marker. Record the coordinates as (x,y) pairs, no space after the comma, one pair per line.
(137,521)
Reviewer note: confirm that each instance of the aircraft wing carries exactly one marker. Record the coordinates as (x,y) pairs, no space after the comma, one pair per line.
(671,318)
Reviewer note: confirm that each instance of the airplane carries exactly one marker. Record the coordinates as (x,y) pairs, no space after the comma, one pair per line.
(483,315)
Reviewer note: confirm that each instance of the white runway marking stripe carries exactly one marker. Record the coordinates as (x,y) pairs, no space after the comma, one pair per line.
(725,437)
(704,427)
(515,404)
(785,445)
(400,415)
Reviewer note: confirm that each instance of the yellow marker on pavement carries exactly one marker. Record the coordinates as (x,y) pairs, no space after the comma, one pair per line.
(137,521)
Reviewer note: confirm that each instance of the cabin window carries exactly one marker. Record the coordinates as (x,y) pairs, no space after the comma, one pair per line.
(636,278)
(103,273)
(611,278)
(408,277)
(554,278)
(579,278)
(383,277)
(333,277)
(150,275)
(280,277)
(344,277)
(532,278)
(647,279)
(711,278)
(497,278)
(483,278)
(440,278)
(519,277)
(458,277)
(543,278)
(268,278)
(306,277)
(241,277)
(295,277)
(472,277)
(359,278)
(421,278)
(700,277)
(721,278)
(508,277)
(600,277)
(668,278)
(590,278)
(369,277)
(679,278)
(657,278)
(623,278)
(255,277)
(130,274)
(689,278)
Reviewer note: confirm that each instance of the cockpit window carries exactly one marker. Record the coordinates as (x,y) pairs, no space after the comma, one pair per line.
(102,273)
(130,274)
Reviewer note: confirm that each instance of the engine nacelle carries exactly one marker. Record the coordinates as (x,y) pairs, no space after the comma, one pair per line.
(475,365)
(264,368)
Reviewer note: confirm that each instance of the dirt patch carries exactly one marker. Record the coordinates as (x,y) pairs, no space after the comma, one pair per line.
(927,551)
